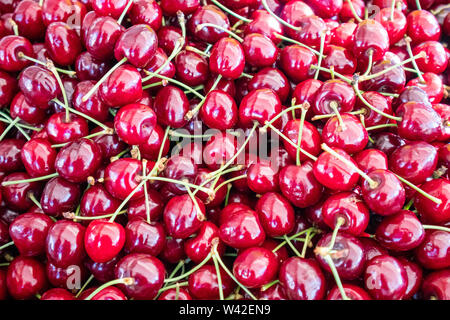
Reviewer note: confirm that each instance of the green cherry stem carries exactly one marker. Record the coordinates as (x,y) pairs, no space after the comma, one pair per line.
(300,134)
(10,183)
(413,186)
(231,33)
(9,127)
(293,248)
(369,63)
(287,24)
(6,245)
(431,227)
(84,286)
(124,12)
(281,37)
(391,17)
(335,273)
(354,11)
(34,200)
(380,126)
(304,105)
(181,84)
(413,61)
(191,271)
(53,70)
(21,55)
(125,281)
(319,61)
(230,12)
(219,277)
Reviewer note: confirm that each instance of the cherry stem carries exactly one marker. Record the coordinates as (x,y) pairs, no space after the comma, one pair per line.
(409,204)
(124,12)
(279,36)
(431,227)
(309,155)
(373,184)
(161,149)
(337,74)
(335,273)
(302,106)
(334,106)
(176,50)
(211,177)
(306,243)
(10,183)
(293,248)
(246,75)
(219,277)
(369,63)
(81,114)
(53,70)
(173,286)
(125,281)
(125,201)
(34,200)
(413,61)
(231,33)
(191,271)
(155,84)
(103,79)
(339,223)
(287,24)
(117,156)
(234,14)
(21,55)
(191,113)
(300,134)
(84,286)
(319,61)
(380,126)
(14,27)
(391,17)
(418,5)
(109,131)
(363,122)
(9,244)
(74,216)
(354,11)
(19,126)
(200,215)
(292,238)
(181,84)
(326,116)
(227,196)
(9,127)
(174,133)
(426,195)
(229,181)
(147,205)
(198,51)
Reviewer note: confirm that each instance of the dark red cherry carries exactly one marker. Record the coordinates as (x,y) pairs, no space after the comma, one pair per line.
(29,231)
(192,68)
(419,122)
(395,27)
(227,58)
(210,200)
(387,197)
(371,159)
(400,232)
(123,86)
(68,277)
(370,35)
(10,155)
(150,148)
(242,229)
(59,196)
(341,59)
(168,36)
(89,68)
(94,106)
(147,272)
(259,105)
(350,135)
(414,275)
(385,278)
(78,160)
(62,43)
(64,244)
(198,247)
(103,240)
(295,61)
(57,294)
(326,9)
(10,47)
(302,279)
(97,201)
(431,211)
(61,131)
(348,206)
(262,177)
(436,285)
(433,86)
(38,157)
(25,278)
(220,148)
(275,214)
(142,237)
(103,272)
(255,267)
(334,92)
(203,283)
(259,50)
(434,251)
(110,293)
(134,123)
(351,291)
(171,106)
(422,26)
(271,78)
(388,142)
(412,93)
(109,7)
(29,113)
(219,111)
(415,161)
(28,17)
(344,35)
(208,14)
(101,37)
(146,12)
(180,168)
(347,256)
(310,29)
(65,11)
(122,177)
(224,85)
(175,294)
(8,87)
(173,250)
(299,185)
(16,196)
(171,7)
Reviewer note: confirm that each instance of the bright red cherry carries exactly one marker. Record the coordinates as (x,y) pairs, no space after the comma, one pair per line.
(146,12)
(192,68)
(198,247)
(16,196)
(414,274)
(395,27)
(276,214)
(434,251)
(109,7)
(25,278)
(94,106)
(134,123)
(334,94)
(171,7)
(171,106)
(203,283)
(175,294)
(295,61)
(419,122)
(123,86)
(59,196)
(242,229)
(259,50)
(97,201)
(28,17)
(370,36)
(422,26)
(227,58)
(349,135)
(433,86)
(351,291)
(38,157)
(271,78)
(259,105)
(371,159)
(208,14)
(437,285)
(62,43)
(219,111)
(103,240)
(101,37)
(8,87)
(431,211)
(61,131)
(122,177)
(142,237)
(10,47)
(435,59)
(57,294)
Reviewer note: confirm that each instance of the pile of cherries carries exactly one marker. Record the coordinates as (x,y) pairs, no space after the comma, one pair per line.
(130,138)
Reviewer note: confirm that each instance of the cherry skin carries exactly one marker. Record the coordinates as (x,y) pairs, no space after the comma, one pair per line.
(38,157)
(352,138)
(57,294)
(29,231)
(103,240)
(170,7)
(122,177)
(433,86)
(414,274)
(265,24)
(302,279)
(348,255)
(142,237)
(175,294)
(208,14)
(435,59)
(10,46)
(341,59)
(54,11)
(146,12)
(94,106)
(180,168)
(97,201)
(422,26)
(415,161)
(348,206)
(388,196)
(351,291)
(62,43)
(168,37)
(147,271)
(295,61)
(109,7)
(134,123)
(242,229)
(271,78)
(333,173)
(210,200)
(346,14)
(259,105)
(110,293)
(436,285)
(8,87)
(25,278)
(276,214)
(10,155)
(431,211)
(227,86)
(90,68)
(370,35)
(60,131)
(218,150)
(59,196)
(192,68)
(312,27)
(378,101)
(343,35)
(39,86)
(64,243)
(102,272)
(396,27)
(150,148)
(28,17)
(198,248)
(219,111)
(181,216)
(299,185)
(173,251)
(123,86)
(385,278)
(137,208)
(259,50)
(227,58)
(101,37)
(25,111)
(171,106)
(203,283)
(16,196)
(255,267)
(335,91)
(433,253)
(371,159)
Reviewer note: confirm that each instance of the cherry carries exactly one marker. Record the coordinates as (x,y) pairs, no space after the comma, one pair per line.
(334,94)
(29,231)
(10,155)
(388,142)
(227,58)
(59,196)
(203,283)
(146,12)
(17,196)
(10,47)
(224,85)
(371,38)
(385,278)
(192,69)
(326,9)
(378,101)
(122,177)
(435,59)
(208,14)
(302,279)
(219,111)
(414,275)
(341,59)
(433,86)
(295,61)
(431,211)
(142,237)
(103,240)
(61,131)
(271,78)
(259,105)
(57,294)
(347,206)
(387,196)
(25,278)
(173,251)
(419,122)
(346,13)
(343,35)
(346,133)
(103,272)
(97,201)
(101,37)
(275,292)
(62,43)
(415,161)
(123,86)
(220,148)
(264,23)
(150,148)
(299,185)
(347,255)
(94,106)
(109,7)
(242,229)
(168,37)
(276,214)
(371,159)
(175,294)
(28,17)
(259,50)
(29,113)
(64,243)
(55,11)
(8,87)
(180,168)
(433,252)
(171,7)
(422,26)
(110,293)
(210,199)
(134,123)
(395,27)
(147,272)
(171,106)
(255,267)
(351,291)
(436,285)
(312,28)
(198,247)
(4,233)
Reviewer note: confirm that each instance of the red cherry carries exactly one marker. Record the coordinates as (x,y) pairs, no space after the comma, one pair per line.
(171,7)
(259,50)
(10,47)
(59,196)
(349,135)
(150,148)
(431,211)
(346,13)
(351,291)
(146,12)
(422,26)
(8,87)
(103,272)
(259,105)
(28,17)
(414,275)
(219,111)
(103,240)
(271,78)
(175,294)
(171,106)
(57,294)
(38,157)
(93,107)
(109,7)
(371,159)
(419,122)
(436,285)
(341,59)
(334,92)
(192,69)
(227,58)
(110,293)
(276,214)
(395,27)
(142,237)
(101,37)
(134,123)
(198,247)
(60,131)
(435,59)
(295,61)
(16,196)
(433,252)
(123,86)
(55,11)
(25,278)
(122,177)
(203,283)
(62,43)
(344,35)
(97,201)
(220,148)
